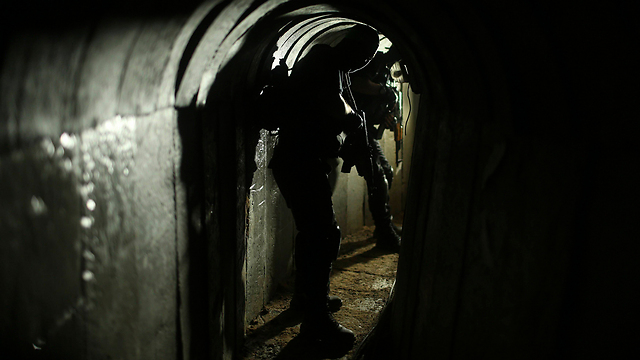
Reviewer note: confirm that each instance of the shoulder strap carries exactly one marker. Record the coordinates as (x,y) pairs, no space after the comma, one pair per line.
(345,83)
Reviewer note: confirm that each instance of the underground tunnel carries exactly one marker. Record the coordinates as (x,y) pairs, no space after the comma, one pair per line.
(268,235)
(130,179)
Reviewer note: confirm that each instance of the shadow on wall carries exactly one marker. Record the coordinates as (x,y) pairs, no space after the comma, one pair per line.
(193,325)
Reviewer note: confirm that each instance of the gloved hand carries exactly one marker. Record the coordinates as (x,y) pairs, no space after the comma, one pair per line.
(353,122)
(389,97)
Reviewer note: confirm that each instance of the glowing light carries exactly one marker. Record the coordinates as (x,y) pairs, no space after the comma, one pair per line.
(38,206)
(87,275)
(67,141)
(86,222)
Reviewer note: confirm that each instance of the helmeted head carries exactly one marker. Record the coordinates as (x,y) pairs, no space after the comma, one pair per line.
(357,48)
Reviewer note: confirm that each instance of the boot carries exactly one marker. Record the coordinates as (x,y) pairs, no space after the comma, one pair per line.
(321,327)
(396,228)
(387,238)
(313,269)
(318,324)
(299,300)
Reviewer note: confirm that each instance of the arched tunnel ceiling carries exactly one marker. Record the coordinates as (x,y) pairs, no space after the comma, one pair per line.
(289,35)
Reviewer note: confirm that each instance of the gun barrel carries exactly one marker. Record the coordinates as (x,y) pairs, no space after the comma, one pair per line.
(398,152)
(397,132)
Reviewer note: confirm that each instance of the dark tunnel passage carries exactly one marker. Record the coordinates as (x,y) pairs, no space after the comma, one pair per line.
(237,143)
(130,174)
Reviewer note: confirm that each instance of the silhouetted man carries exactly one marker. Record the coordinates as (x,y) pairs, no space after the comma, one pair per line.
(310,137)
(378,101)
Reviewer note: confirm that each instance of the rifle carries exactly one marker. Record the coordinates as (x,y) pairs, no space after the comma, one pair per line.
(396,127)
(356,150)
(397,136)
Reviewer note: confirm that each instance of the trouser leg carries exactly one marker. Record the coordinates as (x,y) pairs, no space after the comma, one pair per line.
(386,166)
(308,195)
(379,197)
(312,273)
(385,232)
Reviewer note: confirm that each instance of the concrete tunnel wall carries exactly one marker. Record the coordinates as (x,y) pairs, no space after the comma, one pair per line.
(519,234)
(94,235)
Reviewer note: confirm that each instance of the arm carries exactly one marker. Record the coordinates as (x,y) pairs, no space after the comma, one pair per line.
(367,87)
(339,113)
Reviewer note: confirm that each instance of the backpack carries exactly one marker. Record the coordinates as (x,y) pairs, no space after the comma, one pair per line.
(270,102)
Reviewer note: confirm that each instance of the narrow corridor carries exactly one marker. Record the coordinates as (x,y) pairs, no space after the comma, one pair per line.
(363,277)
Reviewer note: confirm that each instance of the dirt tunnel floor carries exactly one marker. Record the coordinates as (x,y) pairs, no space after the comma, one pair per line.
(362,277)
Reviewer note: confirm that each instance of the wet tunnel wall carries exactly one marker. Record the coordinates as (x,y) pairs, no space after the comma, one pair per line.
(93,211)
(519,228)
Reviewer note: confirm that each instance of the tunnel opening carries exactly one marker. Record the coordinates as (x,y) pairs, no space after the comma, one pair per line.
(364,296)
(246,195)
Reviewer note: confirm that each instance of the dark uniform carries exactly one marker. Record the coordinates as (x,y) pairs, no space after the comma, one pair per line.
(309,138)
(376,107)
(300,167)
